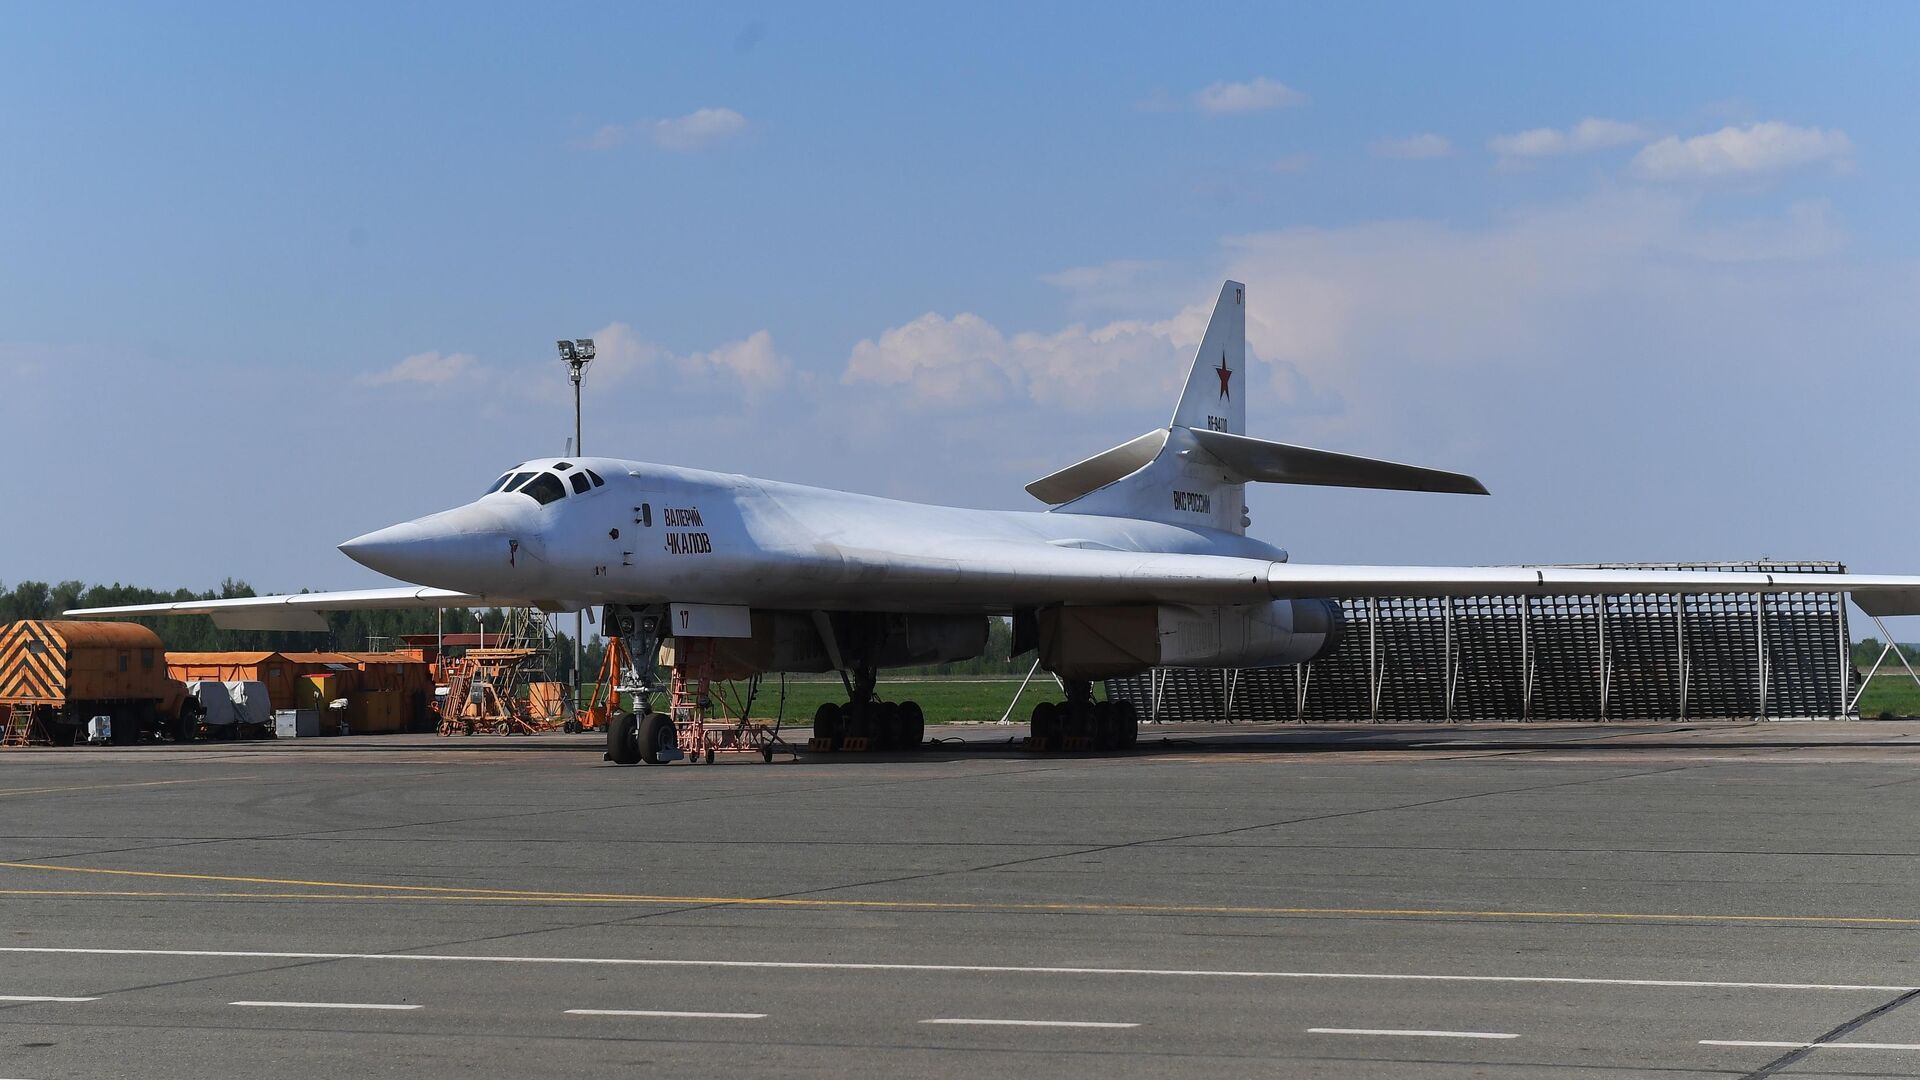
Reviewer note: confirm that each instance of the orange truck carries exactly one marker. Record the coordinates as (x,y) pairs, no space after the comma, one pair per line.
(56,676)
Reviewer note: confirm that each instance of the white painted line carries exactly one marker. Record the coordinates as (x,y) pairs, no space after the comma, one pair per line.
(1810,1046)
(667,1012)
(987,969)
(322,1005)
(1030,1023)
(1414,1032)
(31,997)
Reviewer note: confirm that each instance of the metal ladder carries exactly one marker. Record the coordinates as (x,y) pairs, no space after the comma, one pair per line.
(19,729)
(454,706)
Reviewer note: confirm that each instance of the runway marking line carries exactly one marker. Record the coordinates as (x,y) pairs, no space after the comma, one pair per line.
(143,783)
(1770,1045)
(324,1005)
(988,969)
(36,997)
(668,1013)
(478,893)
(1415,1032)
(982,1022)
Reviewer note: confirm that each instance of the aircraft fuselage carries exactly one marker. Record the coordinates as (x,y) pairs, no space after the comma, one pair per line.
(658,533)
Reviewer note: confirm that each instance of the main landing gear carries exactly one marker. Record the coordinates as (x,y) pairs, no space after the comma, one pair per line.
(1081,723)
(884,725)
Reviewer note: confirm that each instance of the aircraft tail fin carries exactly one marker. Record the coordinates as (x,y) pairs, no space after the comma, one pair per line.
(1195,471)
(1215,395)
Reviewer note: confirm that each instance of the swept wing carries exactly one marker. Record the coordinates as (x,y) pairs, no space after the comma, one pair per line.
(295,611)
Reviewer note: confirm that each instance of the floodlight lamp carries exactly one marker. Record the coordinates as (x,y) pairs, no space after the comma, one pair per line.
(567,352)
(584,347)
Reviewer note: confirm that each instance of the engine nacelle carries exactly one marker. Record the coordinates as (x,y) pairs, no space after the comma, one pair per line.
(1106,642)
(789,641)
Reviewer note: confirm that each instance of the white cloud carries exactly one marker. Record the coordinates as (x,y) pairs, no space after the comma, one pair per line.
(753,360)
(1104,277)
(1255,95)
(698,129)
(965,361)
(1756,148)
(427,369)
(608,136)
(1593,133)
(621,354)
(1413,147)
(1357,321)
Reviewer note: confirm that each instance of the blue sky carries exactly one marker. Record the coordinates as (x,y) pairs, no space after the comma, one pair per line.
(275,276)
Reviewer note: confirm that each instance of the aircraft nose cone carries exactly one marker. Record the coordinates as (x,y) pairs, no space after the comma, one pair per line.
(461,549)
(381,548)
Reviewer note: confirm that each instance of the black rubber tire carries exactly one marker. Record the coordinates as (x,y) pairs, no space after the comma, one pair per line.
(656,733)
(856,722)
(185,726)
(913,726)
(571,727)
(1106,726)
(827,723)
(886,725)
(1129,716)
(1045,723)
(709,755)
(766,753)
(623,740)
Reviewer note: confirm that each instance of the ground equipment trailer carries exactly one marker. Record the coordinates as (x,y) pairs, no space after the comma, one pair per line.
(56,676)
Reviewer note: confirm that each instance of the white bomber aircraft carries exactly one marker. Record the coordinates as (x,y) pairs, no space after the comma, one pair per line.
(1142,560)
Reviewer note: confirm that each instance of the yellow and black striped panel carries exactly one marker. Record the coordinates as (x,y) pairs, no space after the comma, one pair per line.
(33,663)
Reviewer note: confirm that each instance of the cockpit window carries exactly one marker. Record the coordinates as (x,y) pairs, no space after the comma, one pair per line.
(581,485)
(563,466)
(544,488)
(518,479)
(500,483)
(596,478)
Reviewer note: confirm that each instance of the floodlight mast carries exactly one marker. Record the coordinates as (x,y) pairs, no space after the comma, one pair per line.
(577,354)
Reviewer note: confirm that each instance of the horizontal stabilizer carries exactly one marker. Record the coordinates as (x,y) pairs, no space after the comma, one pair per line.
(1099,470)
(1282,463)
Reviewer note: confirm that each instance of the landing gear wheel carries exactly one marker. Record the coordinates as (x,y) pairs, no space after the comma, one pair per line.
(623,740)
(1046,722)
(886,725)
(913,725)
(826,724)
(857,722)
(1106,733)
(1127,715)
(657,735)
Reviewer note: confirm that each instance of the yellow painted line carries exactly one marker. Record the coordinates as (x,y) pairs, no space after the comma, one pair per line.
(372,891)
(297,881)
(144,783)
